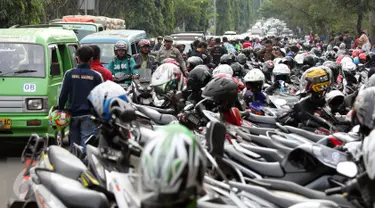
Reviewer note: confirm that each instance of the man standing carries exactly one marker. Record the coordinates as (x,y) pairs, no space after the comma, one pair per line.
(266,53)
(97,66)
(348,40)
(217,51)
(158,45)
(247,43)
(170,52)
(200,51)
(76,87)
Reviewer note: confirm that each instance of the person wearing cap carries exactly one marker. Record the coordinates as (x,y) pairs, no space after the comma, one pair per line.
(168,51)
(158,45)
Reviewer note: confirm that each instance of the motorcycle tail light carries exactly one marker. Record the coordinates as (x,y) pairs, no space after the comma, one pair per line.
(335,142)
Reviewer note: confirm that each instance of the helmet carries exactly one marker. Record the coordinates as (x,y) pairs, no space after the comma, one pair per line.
(362,57)
(335,99)
(368,154)
(331,55)
(121,45)
(315,80)
(170,61)
(198,77)
(58,120)
(104,96)
(371,56)
(363,110)
(299,58)
(316,51)
(268,66)
(356,52)
(165,78)
(371,81)
(226,59)
(277,60)
(289,62)
(280,72)
(334,67)
(223,91)
(193,62)
(348,67)
(237,69)
(346,59)
(224,69)
(254,80)
(176,173)
(144,43)
(336,48)
(309,60)
(342,46)
(356,60)
(247,52)
(241,58)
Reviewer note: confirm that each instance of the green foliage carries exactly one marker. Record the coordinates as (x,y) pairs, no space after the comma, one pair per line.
(320,16)
(20,12)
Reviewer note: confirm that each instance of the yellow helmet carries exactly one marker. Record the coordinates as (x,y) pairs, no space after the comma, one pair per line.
(315,79)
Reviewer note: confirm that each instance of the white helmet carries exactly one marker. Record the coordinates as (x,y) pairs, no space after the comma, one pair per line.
(368,149)
(103,95)
(346,59)
(348,66)
(299,58)
(173,163)
(223,69)
(254,75)
(277,60)
(281,69)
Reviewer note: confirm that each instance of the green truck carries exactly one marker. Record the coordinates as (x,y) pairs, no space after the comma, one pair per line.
(32,66)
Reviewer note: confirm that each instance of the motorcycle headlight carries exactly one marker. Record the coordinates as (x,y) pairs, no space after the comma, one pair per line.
(34,104)
(141,88)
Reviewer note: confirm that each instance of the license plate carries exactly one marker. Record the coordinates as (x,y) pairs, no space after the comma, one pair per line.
(5,123)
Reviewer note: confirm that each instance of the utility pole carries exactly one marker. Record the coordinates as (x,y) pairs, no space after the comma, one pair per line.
(215,17)
(86,6)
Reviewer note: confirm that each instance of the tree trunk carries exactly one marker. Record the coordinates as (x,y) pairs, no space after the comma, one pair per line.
(372,22)
(360,16)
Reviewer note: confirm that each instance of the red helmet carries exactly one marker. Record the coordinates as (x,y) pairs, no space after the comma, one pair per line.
(356,52)
(171,61)
(362,56)
(144,43)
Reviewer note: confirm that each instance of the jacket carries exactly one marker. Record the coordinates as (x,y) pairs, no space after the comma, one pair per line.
(173,53)
(150,61)
(125,65)
(77,85)
(106,74)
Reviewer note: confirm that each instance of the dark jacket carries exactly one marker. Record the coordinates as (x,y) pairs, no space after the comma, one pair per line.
(77,85)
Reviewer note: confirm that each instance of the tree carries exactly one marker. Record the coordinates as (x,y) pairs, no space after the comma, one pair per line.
(27,12)
(224,16)
(168,15)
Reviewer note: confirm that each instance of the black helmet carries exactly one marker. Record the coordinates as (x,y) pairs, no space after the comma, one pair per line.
(289,61)
(363,110)
(335,68)
(331,55)
(223,91)
(198,77)
(237,69)
(193,61)
(241,58)
(316,51)
(226,59)
(371,57)
(247,52)
(309,60)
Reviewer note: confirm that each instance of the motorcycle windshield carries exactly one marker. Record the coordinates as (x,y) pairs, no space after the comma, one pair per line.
(145,75)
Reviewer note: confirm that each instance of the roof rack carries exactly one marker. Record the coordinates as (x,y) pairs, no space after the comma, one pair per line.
(37,26)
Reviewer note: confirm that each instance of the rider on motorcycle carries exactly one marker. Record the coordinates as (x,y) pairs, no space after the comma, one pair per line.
(280,77)
(143,59)
(254,81)
(122,62)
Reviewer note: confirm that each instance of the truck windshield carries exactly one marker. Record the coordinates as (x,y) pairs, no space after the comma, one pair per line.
(16,57)
(106,51)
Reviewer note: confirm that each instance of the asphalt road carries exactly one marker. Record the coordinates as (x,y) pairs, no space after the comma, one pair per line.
(10,169)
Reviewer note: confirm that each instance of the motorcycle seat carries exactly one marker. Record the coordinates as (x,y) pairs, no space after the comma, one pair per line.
(262,119)
(267,142)
(258,130)
(288,186)
(271,169)
(269,154)
(71,192)
(309,135)
(158,118)
(65,162)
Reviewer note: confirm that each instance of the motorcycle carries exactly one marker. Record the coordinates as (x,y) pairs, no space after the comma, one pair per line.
(141,89)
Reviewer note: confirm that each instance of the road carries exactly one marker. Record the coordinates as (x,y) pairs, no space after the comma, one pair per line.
(10,169)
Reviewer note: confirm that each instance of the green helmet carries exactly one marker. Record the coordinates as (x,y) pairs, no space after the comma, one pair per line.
(172,165)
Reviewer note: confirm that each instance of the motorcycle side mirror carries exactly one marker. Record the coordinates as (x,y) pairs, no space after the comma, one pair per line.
(347,168)
(215,138)
(360,65)
(189,107)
